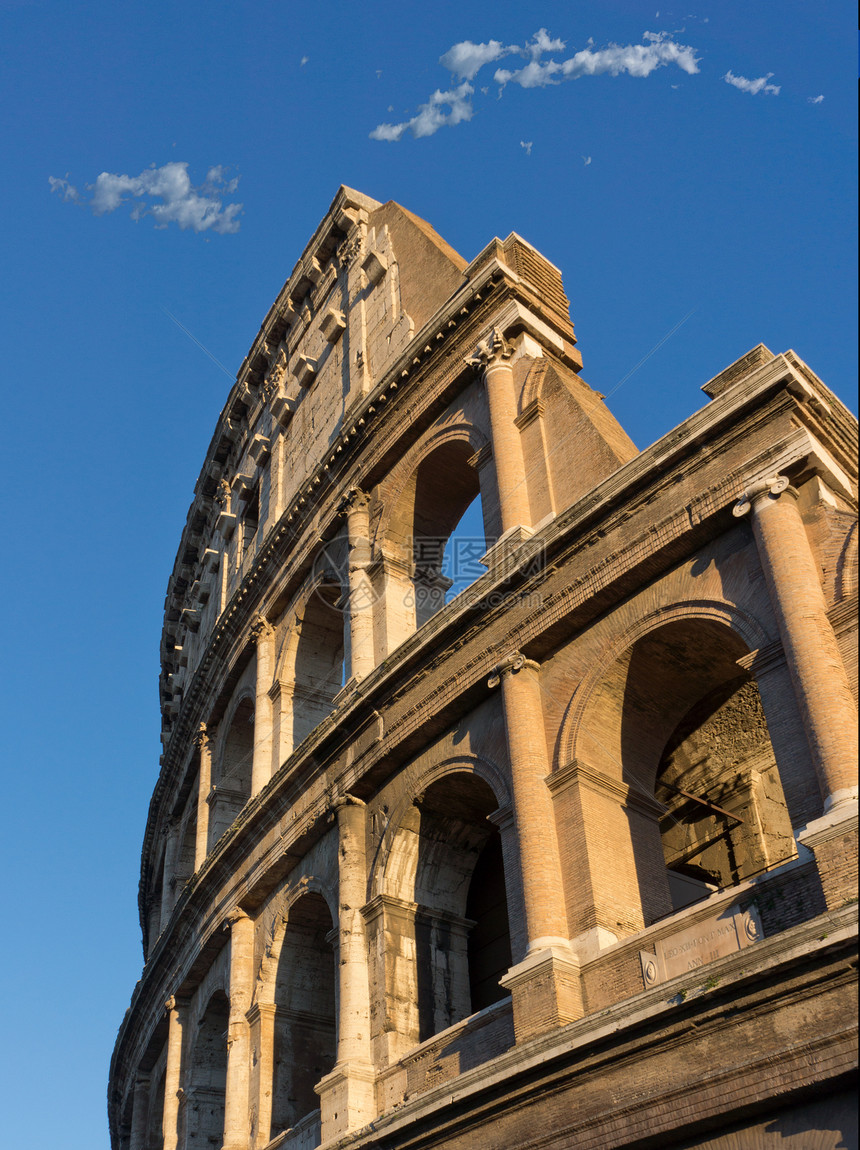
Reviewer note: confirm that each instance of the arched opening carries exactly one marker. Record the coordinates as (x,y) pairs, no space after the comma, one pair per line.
(462,937)
(410,584)
(727,819)
(467,543)
(678,723)
(153,916)
(445,484)
(232,783)
(305,1041)
(155,1115)
(319,660)
(207,1077)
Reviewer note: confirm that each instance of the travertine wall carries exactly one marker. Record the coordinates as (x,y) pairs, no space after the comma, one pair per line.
(574,839)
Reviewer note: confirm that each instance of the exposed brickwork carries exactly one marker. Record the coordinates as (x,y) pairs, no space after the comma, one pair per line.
(567,861)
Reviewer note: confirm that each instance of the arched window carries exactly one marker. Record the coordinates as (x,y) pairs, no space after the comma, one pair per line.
(446,874)
(674,718)
(319,660)
(207,1077)
(305,1047)
(232,781)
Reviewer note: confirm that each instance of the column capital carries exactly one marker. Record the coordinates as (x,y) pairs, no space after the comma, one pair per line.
(772,486)
(234,916)
(261,628)
(354,500)
(343,801)
(513,662)
(491,351)
(202,738)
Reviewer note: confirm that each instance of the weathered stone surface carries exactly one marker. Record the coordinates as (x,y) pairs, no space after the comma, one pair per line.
(568,860)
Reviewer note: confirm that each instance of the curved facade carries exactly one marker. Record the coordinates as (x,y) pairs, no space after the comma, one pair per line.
(566,859)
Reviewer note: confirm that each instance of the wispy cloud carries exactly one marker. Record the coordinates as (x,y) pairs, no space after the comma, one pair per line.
(432,115)
(814,99)
(638,60)
(166,194)
(753,86)
(528,145)
(465,59)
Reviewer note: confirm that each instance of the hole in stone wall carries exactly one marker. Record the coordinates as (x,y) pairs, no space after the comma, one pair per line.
(305,1047)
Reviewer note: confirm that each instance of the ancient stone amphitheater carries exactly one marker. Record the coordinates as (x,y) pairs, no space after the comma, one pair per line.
(567,859)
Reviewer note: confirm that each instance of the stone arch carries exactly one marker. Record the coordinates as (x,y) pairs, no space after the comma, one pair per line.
(416,782)
(206,1077)
(443,878)
(232,765)
(637,768)
(310,661)
(303,989)
(750,632)
(307,884)
(422,500)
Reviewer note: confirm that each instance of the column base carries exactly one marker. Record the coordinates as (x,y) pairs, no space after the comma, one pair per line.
(833,841)
(546,991)
(347,1098)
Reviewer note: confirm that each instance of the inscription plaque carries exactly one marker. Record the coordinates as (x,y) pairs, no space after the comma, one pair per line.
(711,938)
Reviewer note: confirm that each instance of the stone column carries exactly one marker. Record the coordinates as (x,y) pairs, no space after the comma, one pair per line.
(139,1113)
(492,356)
(546,985)
(263,635)
(204,785)
(172,1074)
(261,1019)
(360,588)
(236,1102)
(817,669)
(281,695)
(347,1094)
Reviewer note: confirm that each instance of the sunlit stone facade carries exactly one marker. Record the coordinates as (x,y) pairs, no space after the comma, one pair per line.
(568,859)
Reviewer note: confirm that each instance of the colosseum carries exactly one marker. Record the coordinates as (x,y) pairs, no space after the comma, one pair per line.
(565,859)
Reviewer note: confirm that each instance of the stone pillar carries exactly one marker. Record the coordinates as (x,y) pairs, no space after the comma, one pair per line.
(172,1074)
(347,1094)
(204,785)
(817,669)
(261,1020)
(492,356)
(171,846)
(546,985)
(139,1113)
(281,695)
(360,588)
(236,1103)
(263,634)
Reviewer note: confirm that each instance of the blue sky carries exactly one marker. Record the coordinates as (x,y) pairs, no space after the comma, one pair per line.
(691,171)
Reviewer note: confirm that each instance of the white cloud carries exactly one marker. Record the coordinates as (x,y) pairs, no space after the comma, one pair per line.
(528,145)
(67,191)
(586,160)
(304,60)
(753,86)
(166,194)
(432,115)
(638,60)
(814,99)
(465,60)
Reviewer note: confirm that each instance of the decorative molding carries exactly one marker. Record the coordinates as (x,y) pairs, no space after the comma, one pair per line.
(529,414)
(773,485)
(512,663)
(491,351)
